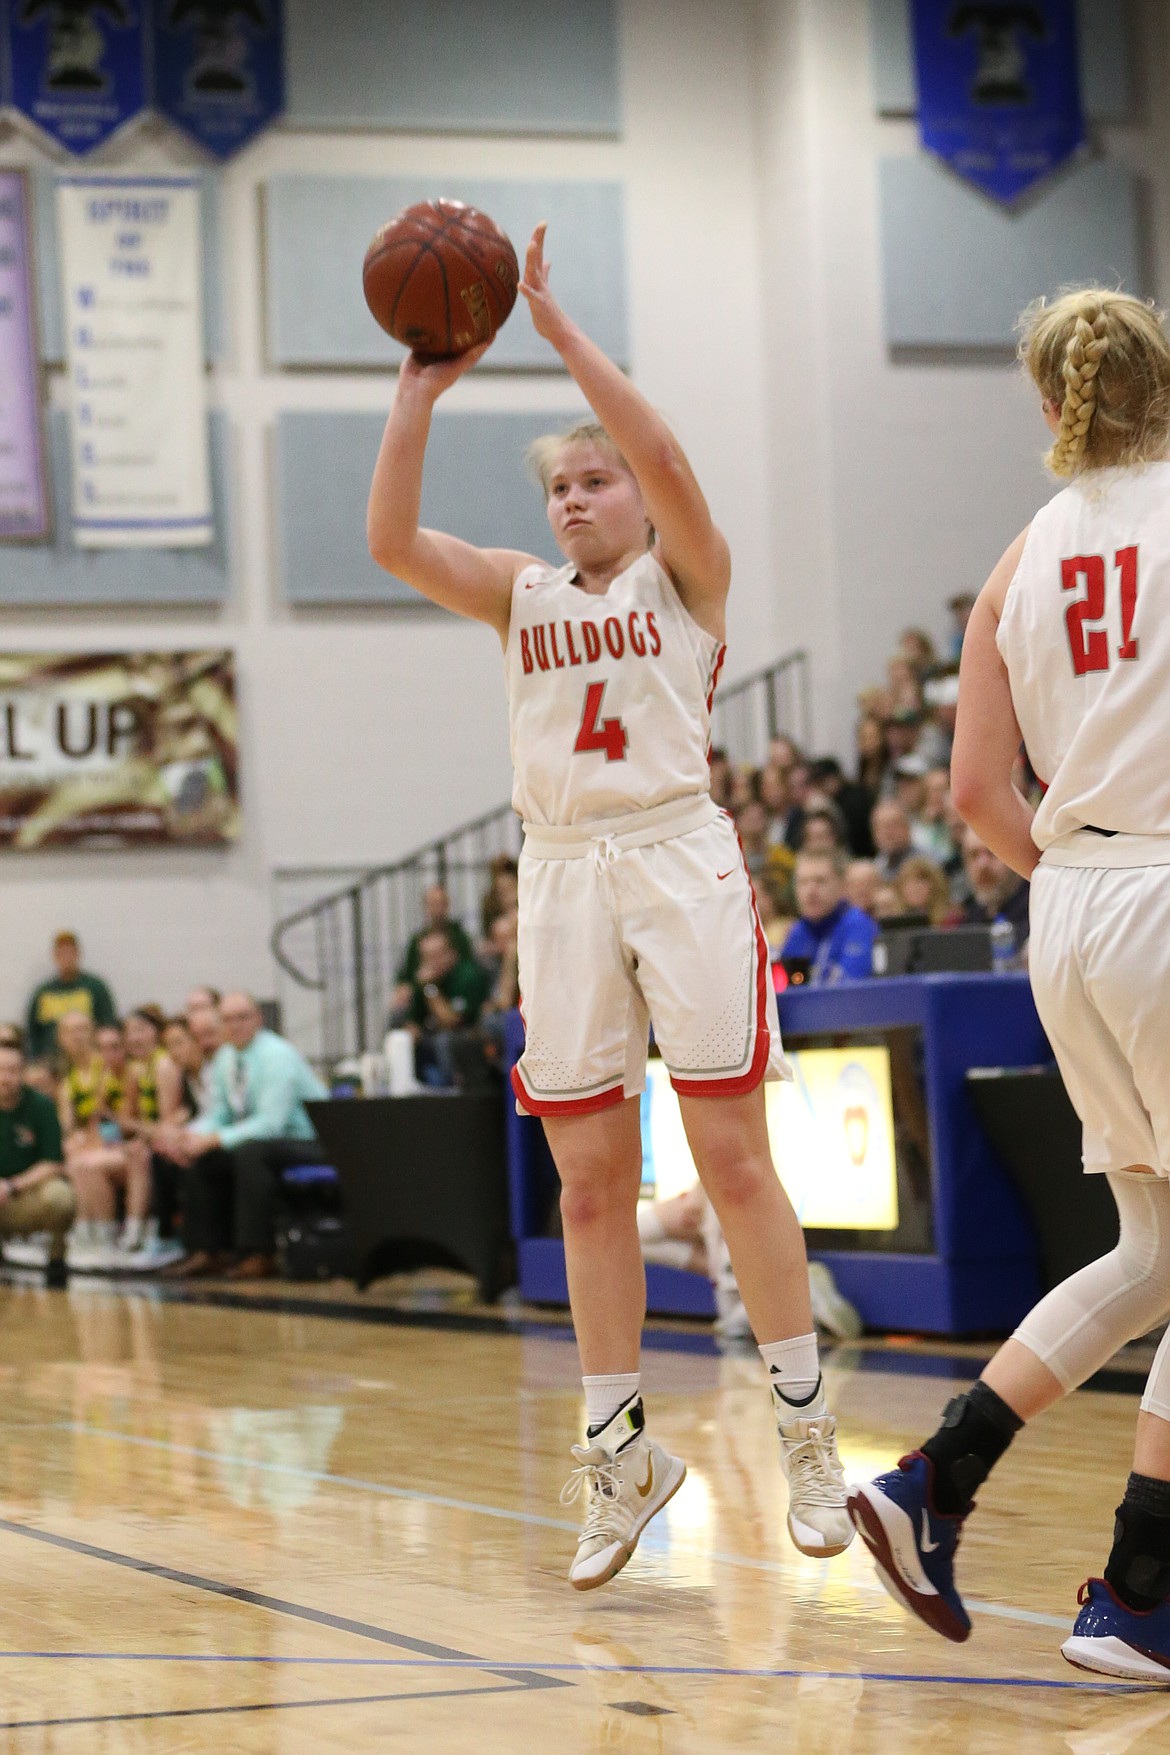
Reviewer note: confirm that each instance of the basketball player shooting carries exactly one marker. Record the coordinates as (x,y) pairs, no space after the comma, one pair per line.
(635,904)
(1069,647)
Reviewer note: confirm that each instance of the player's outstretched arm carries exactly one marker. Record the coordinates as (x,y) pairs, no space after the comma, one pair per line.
(987,732)
(475,582)
(693,550)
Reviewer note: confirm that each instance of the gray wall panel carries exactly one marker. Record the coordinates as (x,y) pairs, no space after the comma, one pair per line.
(957,270)
(317,230)
(516,66)
(52,335)
(475,486)
(1106,65)
(57,573)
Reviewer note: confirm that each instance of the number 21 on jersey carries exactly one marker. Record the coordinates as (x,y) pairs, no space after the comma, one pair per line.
(1089,645)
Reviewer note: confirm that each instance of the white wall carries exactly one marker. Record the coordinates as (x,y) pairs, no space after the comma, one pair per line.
(365,733)
(858,493)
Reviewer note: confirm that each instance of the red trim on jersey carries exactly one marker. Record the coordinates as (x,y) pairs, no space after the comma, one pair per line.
(743,1082)
(566,1105)
(718,666)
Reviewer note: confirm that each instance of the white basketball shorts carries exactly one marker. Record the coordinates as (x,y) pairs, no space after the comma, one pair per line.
(618,931)
(1099,957)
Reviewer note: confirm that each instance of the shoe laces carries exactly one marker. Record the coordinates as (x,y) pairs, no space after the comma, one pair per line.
(596,1475)
(814,1468)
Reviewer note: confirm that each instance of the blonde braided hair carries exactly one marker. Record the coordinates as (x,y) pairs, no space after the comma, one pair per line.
(1086,348)
(1102,358)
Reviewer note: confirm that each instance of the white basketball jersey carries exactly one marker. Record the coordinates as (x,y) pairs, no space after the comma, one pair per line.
(1085,635)
(609,697)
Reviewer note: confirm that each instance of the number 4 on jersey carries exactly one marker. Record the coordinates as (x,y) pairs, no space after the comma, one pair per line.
(1090,646)
(608,735)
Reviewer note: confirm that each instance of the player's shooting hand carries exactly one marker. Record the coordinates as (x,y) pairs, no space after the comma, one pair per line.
(547,317)
(433,376)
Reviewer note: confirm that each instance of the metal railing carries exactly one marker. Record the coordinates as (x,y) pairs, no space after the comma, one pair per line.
(339,951)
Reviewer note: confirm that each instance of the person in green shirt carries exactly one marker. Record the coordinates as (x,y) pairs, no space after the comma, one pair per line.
(437,907)
(35,1194)
(447,995)
(70,990)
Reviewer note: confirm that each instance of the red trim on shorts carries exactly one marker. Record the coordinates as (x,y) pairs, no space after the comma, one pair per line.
(590,1105)
(743,1082)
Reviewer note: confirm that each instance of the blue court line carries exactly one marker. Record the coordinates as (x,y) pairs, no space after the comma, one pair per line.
(576,1669)
(651,1541)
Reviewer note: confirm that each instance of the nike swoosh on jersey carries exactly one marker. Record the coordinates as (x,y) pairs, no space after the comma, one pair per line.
(720,875)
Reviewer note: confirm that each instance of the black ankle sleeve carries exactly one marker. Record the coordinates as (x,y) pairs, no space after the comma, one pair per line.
(976,1430)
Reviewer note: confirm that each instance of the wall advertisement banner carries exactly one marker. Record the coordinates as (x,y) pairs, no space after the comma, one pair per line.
(77,68)
(24,500)
(132,287)
(999,96)
(218,68)
(122,749)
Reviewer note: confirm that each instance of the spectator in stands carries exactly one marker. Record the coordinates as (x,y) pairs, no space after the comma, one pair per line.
(205,1026)
(960,608)
(446,998)
(837,938)
(902,732)
(256,1127)
(892,837)
(437,908)
(71,989)
(923,889)
(721,778)
(775,919)
(201,998)
(861,884)
(100,1161)
(785,820)
(887,903)
(502,969)
(904,687)
(783,752)
(933,831)
(502,891)
(188,1059)
(751,823)
(35,1194)
(997,892)
(823,832)
(873,754)
(917,648)
(853,800)
(745,787)
(937,736)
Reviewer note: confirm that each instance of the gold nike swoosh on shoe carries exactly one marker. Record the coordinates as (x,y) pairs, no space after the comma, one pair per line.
(644,1491)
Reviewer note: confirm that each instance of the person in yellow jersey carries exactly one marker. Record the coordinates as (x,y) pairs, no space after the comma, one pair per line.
(99,1161)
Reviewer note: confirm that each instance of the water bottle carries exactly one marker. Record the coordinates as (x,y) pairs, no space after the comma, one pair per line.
(1003,945)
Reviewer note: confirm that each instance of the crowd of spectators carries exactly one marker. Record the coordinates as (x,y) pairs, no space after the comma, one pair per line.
(835,855)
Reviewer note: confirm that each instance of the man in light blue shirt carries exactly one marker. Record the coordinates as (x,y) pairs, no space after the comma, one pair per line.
(254,1127)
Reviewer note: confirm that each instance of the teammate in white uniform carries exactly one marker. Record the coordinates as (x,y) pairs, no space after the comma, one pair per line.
(635,905)
(1069,648)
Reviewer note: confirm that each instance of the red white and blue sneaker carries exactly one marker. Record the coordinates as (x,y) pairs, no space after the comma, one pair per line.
(912,1544)
(1115,1640)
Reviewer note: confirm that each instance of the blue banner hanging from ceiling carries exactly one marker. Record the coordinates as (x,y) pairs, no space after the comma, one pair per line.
(219,68)
(999,95)
(77,68)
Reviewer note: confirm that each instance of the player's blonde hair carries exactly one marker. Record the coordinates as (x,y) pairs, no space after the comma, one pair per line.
(541,456)
(1103,359)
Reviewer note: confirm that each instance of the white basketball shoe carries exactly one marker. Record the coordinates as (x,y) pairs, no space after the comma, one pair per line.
(626,1478)
(818,1498)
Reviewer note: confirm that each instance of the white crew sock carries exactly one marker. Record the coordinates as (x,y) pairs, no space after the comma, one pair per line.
(605,1395)
(794,1374)
(133,1234)
(105,1232)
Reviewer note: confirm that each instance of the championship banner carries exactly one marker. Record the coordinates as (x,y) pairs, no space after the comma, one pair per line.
(77,68)
(132,279)
(127,749)
(999,90)
(218,68)
(24,500)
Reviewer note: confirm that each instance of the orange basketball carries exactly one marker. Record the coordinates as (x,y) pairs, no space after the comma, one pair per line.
(440,278)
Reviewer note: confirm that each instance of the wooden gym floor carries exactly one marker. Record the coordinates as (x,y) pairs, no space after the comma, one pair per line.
(237,1526)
